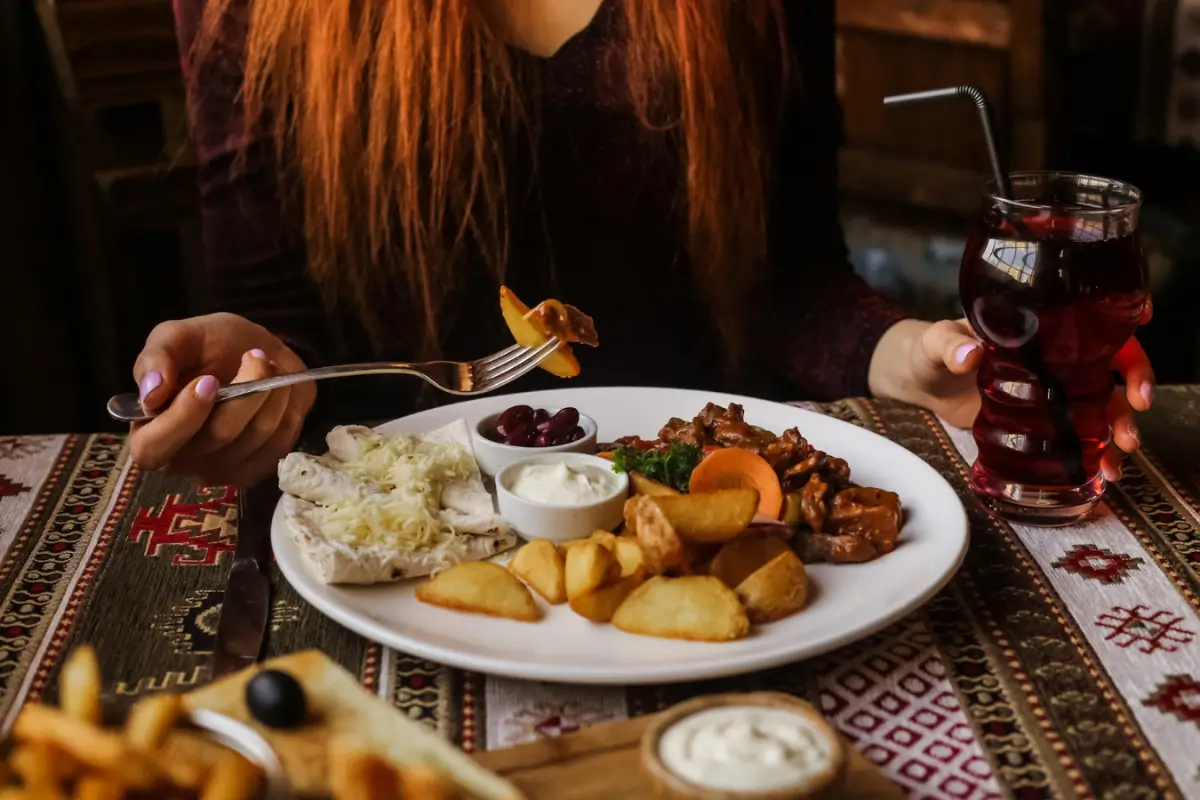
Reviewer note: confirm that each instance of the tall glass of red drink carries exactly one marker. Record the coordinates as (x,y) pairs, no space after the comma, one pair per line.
(1054,282)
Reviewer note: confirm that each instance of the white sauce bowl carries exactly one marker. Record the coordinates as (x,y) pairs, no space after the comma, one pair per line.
(493,456)
(561,523)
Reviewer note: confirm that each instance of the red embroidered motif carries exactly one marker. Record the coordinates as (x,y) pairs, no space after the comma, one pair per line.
(550,720)
(555,725)
(1178,695)
(1098,564)
(13,448)
(1160,631)
(11,488)
(206,528)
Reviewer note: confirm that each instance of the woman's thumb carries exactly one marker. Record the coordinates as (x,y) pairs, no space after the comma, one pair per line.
(951,343)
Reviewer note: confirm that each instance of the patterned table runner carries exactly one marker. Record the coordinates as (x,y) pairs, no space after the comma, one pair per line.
(1057,663)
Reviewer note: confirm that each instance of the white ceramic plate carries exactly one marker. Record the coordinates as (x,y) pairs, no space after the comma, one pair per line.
(847,602)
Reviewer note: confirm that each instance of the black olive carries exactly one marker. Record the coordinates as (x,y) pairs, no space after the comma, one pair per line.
(276,699)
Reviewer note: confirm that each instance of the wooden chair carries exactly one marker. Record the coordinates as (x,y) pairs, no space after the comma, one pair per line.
(934,157)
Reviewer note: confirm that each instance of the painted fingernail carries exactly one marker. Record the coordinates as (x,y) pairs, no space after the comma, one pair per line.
(1112,474)
(150,382)
(964,352)
(206,387)
(1148,393)
(259,354)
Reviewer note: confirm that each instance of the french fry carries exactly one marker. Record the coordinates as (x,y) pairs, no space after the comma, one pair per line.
(34,763)
(187,758)
(151,719)
(97,787)
(79,685)
(425,783)
(363,776)
(233,778)
(102,750)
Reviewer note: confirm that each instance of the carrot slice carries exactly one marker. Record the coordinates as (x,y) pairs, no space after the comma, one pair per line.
(735,468)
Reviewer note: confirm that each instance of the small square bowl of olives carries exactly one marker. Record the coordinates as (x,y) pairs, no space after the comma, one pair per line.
(521,431)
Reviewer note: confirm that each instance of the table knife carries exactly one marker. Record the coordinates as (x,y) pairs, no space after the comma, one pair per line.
(243,622)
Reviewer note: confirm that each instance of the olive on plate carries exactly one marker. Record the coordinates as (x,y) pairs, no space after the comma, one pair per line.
(276,699)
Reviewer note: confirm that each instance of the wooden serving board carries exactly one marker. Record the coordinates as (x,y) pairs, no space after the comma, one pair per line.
(603,762)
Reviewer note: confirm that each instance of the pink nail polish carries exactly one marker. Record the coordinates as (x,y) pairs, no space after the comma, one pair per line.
(259,354)
(150,382)
(206,387)
(1133,434)
(1148,393)
(964,352)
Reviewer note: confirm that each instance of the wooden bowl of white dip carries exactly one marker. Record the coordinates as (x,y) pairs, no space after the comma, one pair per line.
(753,746)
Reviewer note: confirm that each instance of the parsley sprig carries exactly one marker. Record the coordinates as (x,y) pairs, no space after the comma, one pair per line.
(672,466)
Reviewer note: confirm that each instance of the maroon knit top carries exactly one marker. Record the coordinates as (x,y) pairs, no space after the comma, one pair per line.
(602,232)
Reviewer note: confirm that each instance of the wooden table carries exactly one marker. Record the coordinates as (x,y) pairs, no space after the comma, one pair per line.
(1057,663)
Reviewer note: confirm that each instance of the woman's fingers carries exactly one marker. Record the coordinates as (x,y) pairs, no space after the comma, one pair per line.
(229,419)
(1125,435)
(1110,465)
(254,436)
(952,344)
(172,348)
(265,461)
(1124,428)
(154,444)
(1131,361)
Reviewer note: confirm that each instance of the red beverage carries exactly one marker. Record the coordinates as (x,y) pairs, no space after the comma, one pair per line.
(1054,284)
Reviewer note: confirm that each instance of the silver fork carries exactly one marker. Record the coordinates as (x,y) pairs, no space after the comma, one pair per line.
(466,378)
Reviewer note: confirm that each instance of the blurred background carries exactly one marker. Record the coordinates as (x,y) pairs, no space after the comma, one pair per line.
(98,230)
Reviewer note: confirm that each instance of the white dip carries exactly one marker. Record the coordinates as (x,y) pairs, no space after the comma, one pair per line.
(745,748)
(560,485)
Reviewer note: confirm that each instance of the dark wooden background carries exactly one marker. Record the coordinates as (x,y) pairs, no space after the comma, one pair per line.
(99,223)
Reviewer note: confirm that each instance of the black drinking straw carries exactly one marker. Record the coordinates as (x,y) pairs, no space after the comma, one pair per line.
(1031,352)
(976,96)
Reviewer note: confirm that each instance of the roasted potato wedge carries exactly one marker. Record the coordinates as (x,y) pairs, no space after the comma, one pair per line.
(775,590)
(661,546)
(630,556)
(526,330)
(712,516)
(793,516)
(542,567)
(739,559)
(601,603)
(480,587)
(648,486)
(606,539)
(699,608)
(589,565)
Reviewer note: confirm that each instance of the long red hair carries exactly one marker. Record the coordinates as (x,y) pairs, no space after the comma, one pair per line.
(395,116)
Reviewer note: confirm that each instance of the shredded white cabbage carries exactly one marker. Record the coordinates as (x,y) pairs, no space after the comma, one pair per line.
(411,474)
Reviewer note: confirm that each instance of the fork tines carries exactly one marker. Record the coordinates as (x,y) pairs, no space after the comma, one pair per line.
(510,363)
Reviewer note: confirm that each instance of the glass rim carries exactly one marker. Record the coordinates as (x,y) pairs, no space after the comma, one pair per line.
(990,192)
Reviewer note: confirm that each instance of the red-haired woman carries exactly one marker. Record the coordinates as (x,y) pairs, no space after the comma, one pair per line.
(372,170)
